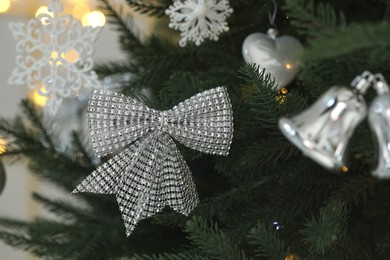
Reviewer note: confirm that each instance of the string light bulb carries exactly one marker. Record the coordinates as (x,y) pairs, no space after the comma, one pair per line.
(291,257)
(4,5)
(79,10)
(38,98)
(94,19)
(3,146)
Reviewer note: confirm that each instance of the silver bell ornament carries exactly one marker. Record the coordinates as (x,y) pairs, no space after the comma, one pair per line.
(323,130)
(379,120)
(277,55)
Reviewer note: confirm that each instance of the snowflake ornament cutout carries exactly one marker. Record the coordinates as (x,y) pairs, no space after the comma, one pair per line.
(199,19)
(54,56)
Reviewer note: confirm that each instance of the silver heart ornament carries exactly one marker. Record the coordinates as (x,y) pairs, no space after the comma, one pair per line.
(277,55)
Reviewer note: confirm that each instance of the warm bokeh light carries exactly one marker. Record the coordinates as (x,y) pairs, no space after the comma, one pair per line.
(73,2)
(54,55)
(71,56)
(38,98)
(43,10)
(3,146)
(94,19)
(283,91)
(288,66)
(4,5)
(344,169)
(291,257)
(79,10)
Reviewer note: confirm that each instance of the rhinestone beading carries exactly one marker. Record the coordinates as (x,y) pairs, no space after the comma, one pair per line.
(151,173)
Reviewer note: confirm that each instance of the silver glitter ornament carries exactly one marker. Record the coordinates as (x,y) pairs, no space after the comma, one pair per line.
(151,173)
(379,120)
(323,130)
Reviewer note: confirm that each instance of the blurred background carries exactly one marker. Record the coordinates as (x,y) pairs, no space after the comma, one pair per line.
(15,200)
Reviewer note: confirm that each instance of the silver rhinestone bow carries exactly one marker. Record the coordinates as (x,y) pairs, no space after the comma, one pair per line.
(151,173)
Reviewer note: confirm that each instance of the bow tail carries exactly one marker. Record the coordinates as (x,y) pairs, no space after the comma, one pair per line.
(107,178)
(139,193)
(177,183)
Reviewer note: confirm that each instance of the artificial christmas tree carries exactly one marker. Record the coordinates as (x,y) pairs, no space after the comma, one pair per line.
(265,200)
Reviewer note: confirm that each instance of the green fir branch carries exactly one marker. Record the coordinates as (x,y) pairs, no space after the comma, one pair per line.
(24,139)
(264,108)
(267,243)
(306,175)
(8,223)
(122,22)
(253,74)
(166,256)
(148,7)
(349,39)
(355,190)
(310,18)
(170,219)
(269,152)
(17,155)
(65,210)
(80,148)
(211,241)
(16,128)
(323,232)
(57,168)
(35,116)
(111,68)
(383,247)
(16,241)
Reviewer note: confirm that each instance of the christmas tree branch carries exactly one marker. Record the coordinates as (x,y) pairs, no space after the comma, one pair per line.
(121,20)
(211,241)
(17,129)
(322,233)
(153,8)
(81,149)
(312,19)
(65,210)
(35,117)
(355,190)
(349,40)
(173,256)
(111,68)
(267,243)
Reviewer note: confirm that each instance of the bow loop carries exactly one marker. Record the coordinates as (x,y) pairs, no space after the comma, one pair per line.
(116,121)
(204,122)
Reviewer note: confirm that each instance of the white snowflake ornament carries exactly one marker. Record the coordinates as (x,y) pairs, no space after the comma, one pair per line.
(199,19)
(54,55)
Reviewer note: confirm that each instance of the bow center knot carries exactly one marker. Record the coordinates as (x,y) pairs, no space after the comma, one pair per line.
(163,122)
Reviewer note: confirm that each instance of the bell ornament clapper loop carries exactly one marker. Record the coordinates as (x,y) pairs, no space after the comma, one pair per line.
(380,84)
(379,121)
(362,82)
(323,130)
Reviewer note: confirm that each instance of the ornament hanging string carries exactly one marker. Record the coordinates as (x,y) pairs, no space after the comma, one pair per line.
(272,16)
